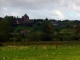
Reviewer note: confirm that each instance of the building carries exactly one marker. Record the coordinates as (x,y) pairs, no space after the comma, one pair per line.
(23,20)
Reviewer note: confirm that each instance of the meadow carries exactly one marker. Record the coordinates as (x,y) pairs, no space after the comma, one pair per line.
(41,52)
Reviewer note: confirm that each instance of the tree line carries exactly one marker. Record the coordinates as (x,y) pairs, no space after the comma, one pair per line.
(40,30)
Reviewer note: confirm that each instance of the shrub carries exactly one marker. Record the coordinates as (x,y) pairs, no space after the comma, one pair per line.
(46,37)
(1,44)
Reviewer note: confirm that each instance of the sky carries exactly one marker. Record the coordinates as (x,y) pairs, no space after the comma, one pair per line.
(41,9)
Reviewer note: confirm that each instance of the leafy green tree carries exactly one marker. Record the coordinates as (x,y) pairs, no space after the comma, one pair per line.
(33,37)
(46,37)
(66,34)
(48,30)
(79,36)
(5,29)
(66,31)
(77,29)
(47,27)
(11,20)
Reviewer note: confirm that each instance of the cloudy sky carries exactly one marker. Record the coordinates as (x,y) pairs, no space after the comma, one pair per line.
(52,9)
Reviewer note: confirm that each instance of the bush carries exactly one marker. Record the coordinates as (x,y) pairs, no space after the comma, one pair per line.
(46,37)
(1,44)
(33,37)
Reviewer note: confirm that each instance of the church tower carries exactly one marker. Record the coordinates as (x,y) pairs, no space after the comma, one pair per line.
(25,18)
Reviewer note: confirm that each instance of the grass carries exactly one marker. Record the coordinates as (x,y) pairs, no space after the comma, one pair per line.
(41,52)
(20,28)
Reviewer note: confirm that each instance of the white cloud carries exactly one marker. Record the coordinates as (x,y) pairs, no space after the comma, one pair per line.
(78,15)
(4,8)
(56,9)
(60,15)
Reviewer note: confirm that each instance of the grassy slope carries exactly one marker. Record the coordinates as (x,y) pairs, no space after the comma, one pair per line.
(20,28)
(40,52)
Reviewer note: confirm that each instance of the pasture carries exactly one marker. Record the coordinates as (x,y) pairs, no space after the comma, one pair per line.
(41,52)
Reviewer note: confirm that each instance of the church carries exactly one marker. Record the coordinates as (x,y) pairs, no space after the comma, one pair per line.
(23,20)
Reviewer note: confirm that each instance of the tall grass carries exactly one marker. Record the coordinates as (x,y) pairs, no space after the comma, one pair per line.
(41,52)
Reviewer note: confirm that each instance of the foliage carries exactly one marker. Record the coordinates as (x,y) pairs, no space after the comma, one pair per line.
(58,28)
(77,29)
(11,20)
(1,44)
(5,30)
(40,29)
(46,37)
(33,37)
(18,37)
(47,27)
(79,36)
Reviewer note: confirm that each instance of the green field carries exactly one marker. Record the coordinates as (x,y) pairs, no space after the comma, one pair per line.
(41,52)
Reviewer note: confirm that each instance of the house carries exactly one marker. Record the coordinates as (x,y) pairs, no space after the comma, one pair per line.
(55,23)
(25,32)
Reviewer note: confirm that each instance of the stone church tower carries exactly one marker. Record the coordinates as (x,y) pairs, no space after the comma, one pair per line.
(25,18)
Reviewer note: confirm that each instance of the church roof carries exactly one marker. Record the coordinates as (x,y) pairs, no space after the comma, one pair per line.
(26,16)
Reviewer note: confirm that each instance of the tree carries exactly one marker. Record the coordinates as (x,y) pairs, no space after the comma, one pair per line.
(11,20)
(77,29)
(5,29)
(48,30)
(66,34)
(47,27)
